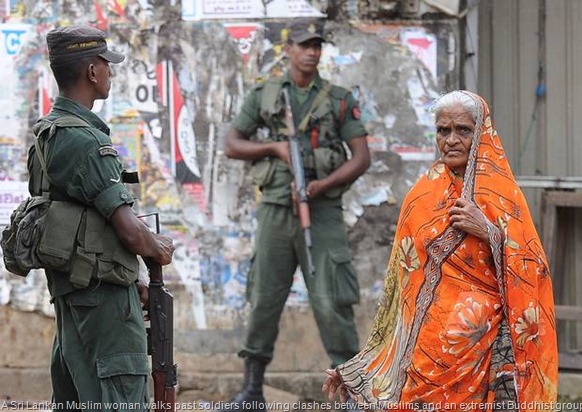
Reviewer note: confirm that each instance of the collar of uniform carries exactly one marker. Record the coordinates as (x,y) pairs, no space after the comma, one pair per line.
(68,105)
(316,82)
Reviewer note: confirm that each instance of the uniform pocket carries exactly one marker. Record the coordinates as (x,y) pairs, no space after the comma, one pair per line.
(58,240)
(86,307)
(328,159)
(120,269)
(122,364)
(116,265)
(345,279)
(124,379)
(261,172)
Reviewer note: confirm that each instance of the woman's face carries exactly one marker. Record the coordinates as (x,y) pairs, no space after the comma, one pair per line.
(454,135)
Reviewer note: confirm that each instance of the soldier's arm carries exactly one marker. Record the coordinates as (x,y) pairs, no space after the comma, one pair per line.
(353,132)
(347,172)
(359,161)
(238,143)
(138,238)
(238,146)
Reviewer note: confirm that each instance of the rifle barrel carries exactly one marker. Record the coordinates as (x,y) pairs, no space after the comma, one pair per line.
(299,180)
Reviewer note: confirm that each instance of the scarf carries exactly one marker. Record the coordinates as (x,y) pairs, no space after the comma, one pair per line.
(459,320)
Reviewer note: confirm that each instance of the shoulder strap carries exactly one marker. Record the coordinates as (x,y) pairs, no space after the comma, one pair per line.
(316,102)
(45,179)
(51,126)
(70,121)
(340,94)
(270,93)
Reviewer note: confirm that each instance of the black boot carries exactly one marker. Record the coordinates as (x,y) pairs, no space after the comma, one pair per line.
(250,398)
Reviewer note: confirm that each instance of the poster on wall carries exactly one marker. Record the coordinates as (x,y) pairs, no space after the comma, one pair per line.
(185,166)
(12,37)
(423,45)
(246,9)
(183,140)
(11,194)
(244,34)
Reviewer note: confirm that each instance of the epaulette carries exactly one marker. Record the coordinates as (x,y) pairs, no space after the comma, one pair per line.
(259,86)
(43,124)
(263,82)
(338,92)
(270,95)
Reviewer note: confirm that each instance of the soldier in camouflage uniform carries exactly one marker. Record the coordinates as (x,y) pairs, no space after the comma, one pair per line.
(327,119)
(99,352)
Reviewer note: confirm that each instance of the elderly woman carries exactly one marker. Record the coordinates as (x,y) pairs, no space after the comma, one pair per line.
(467,313)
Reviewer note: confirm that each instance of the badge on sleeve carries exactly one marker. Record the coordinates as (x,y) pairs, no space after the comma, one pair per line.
(356,114)
(107,151)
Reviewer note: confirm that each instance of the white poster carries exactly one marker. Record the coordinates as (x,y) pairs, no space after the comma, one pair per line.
(424,47)
(11,194)
(12,38)
(246,9)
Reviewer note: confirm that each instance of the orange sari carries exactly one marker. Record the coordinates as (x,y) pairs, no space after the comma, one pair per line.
(462,325)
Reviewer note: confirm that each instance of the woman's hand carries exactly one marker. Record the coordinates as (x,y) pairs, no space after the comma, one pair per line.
(332,383)
(466,216)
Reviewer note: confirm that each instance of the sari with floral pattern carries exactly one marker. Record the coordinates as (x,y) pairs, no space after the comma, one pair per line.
(460,321)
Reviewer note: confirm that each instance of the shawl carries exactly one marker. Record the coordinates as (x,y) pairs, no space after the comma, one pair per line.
(461,324)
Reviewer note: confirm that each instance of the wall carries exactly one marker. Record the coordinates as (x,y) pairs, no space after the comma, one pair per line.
(187,70)
(530,70)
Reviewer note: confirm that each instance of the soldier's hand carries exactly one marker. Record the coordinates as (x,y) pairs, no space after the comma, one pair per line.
(165,249)
(294,195)
(144,294)
(315,188)
(281,150)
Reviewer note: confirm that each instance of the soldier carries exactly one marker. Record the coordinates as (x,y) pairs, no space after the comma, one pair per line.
(99,352)
(327,119)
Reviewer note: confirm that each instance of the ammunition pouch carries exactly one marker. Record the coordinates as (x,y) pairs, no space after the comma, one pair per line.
(20,238)
(58,240)
(326,160)
(99,254)
(261,171)
(69,237)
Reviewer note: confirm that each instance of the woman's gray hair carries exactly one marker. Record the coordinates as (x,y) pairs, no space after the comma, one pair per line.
(454,98)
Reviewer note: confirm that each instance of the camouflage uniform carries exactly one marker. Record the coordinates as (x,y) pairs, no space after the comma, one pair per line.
(279,246)
(100,338)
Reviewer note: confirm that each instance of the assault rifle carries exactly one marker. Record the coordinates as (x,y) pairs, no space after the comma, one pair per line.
(160,335)
(302,203)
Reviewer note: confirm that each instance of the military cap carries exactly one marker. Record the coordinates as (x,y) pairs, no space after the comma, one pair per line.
(300,31)
(69,43)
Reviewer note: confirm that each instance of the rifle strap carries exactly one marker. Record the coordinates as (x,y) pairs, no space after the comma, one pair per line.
(316,102)
(45,185)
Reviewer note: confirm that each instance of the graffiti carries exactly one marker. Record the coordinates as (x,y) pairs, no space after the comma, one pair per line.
(244,34)
(140,68)
(11,194)
(12,40)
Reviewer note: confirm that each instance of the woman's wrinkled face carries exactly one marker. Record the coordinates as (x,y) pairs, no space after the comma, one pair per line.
(454,135)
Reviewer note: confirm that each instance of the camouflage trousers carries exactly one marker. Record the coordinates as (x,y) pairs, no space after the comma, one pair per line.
(279,249)
(99,357)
